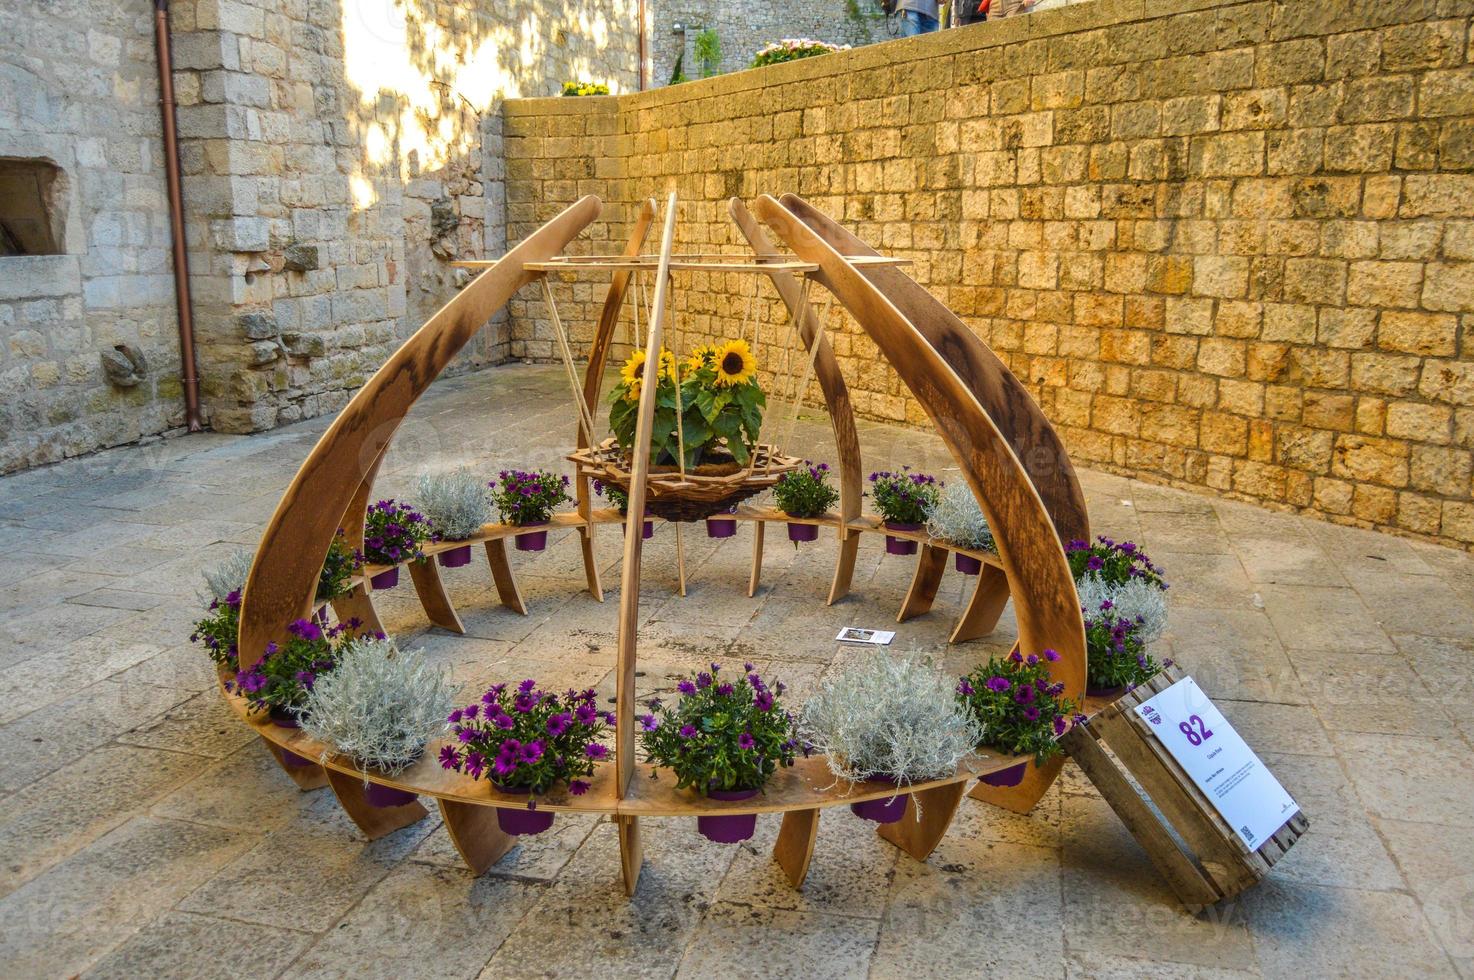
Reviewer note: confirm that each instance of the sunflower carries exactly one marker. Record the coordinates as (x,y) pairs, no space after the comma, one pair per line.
(700,357)
(632,393)
(734,364)
(667,364)
(634,368)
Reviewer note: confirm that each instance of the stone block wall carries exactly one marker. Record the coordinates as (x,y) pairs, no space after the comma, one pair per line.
(338,155)
(1228,244)
(78,88)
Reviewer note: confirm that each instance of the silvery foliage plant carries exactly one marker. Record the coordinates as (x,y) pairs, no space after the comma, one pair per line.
(379,706)
(1136,599)
(456,501)
(957,519)
(895,715)
(230,575)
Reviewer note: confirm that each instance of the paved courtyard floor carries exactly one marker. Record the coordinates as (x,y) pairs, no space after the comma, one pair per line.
(146,832)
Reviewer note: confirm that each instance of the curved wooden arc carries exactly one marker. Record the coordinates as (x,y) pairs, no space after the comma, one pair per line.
(476,834)
(1029,549)
(1018,418)
(836,398)
(928,815)
(284,575)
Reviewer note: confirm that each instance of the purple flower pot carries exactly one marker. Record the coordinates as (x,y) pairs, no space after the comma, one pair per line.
(1011,776)
(967,564)
(532,540)
(1105,692)
(521,821)
(294,760)
(283,717)
(720,527)
(321,615)
(455,557)
(802,532)
(386,579)
(900,546)
(387,797)
(882,810)
(646,532)
(728,828)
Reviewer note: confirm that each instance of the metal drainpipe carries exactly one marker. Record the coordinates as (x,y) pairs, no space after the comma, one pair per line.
(644,52)
(182,300)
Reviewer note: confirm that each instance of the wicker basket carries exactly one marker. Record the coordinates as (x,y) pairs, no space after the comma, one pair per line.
(703,491)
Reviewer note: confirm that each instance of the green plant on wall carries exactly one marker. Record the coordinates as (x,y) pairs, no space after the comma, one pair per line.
(678,73)
(708,50)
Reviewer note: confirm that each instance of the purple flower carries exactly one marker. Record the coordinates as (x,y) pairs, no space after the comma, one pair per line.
(448,757)
(998,684)
(455,716)
(526,686)
(648,723)
(532,751)
(504,765)
(505,722)
(1059,725)
(1050,655)
(686,687)
(763,701)
(1025,694)
(688,731)
(1031,660)
(703,679)
(746,741)
(725,690)
(578,787)
(510,748)
(475,764)
(586,714)
(558,724)
(964,688)
(471,711)
(595,750)
(1031,713)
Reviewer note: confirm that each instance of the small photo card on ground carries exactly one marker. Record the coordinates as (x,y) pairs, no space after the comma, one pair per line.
(853,634)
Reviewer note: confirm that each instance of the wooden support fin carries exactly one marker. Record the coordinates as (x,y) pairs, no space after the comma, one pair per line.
(374,821)
(989,597)
(756,578)
(924,583)
(918,834)
(477,837)
(794,848)
(631,851)
(502,577)
(431,590)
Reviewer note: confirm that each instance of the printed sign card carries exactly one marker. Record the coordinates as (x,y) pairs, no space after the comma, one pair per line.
(1225,769)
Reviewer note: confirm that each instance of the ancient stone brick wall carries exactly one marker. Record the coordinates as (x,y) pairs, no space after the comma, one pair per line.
(338,154)
(78,88)
(1228,244)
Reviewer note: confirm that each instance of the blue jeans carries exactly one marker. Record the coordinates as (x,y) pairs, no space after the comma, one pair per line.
(914,22)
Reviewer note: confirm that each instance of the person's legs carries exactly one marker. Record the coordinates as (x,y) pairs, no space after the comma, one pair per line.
(914,22)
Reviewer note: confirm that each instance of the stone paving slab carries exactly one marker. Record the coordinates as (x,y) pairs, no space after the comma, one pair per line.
(147,832)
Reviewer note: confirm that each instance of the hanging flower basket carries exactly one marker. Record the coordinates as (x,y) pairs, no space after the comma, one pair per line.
(706,489)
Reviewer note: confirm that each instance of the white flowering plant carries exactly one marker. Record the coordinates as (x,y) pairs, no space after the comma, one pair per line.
(896,716)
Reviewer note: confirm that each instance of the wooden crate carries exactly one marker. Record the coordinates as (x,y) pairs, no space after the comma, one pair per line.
(1195,850)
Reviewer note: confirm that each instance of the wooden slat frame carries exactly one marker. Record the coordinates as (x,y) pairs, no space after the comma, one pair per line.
(1211,862)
